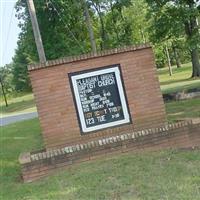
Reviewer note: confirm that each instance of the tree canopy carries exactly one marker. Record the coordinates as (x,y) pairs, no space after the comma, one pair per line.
(177,21)
(70,27)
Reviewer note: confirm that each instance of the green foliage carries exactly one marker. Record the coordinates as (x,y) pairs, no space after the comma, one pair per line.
(115,23)
(64,30)
(175,22)
(160,57)
(20,62)
(60,27)
(6,77)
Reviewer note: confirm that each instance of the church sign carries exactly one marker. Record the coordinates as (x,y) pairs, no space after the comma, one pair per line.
(99,97)
(92,96)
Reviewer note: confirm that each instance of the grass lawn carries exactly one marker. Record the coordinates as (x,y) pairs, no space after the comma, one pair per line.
(145,176)
(173,175)
(158,175)
(21,104)
(183,109)
(180,80)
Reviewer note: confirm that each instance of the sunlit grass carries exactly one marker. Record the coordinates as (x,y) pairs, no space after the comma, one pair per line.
(17,105)
(159,175)
(180,80)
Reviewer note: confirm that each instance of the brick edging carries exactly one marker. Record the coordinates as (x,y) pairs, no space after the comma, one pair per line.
(28,157)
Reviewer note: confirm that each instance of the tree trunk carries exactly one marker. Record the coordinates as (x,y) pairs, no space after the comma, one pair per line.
(195,63)
(168,59)
(114,23)
(103,31)
(4,94)
(143,36)
(176,56)
(89,26)
(191,29)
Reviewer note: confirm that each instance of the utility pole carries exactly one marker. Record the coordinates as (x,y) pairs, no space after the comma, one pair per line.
(89,26)
(4,94)
(36,31)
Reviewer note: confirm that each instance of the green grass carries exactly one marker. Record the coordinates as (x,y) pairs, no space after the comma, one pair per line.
(180,80)
(178,110)
(145,176)
(21,104)
(159,175)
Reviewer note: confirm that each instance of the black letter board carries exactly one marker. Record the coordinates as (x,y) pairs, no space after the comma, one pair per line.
(100,98)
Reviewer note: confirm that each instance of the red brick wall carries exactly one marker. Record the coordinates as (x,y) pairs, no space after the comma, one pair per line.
(55,104)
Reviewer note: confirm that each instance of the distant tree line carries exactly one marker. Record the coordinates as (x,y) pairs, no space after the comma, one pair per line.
(71,27)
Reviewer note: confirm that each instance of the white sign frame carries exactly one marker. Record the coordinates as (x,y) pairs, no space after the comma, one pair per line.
(76,77)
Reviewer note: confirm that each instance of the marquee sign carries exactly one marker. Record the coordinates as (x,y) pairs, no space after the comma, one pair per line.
(99,98)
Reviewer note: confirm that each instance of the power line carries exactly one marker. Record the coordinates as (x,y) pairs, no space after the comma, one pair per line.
(9,26)
(72,34)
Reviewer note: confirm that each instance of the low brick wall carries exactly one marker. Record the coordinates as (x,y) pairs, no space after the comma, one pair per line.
(178,135)
(177,96)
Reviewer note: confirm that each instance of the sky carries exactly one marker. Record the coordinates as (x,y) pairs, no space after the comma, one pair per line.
(9,31)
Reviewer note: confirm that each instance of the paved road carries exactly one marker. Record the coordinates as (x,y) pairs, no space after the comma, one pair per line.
(16,118)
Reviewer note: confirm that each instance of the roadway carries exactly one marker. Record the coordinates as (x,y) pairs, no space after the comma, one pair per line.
(16,118)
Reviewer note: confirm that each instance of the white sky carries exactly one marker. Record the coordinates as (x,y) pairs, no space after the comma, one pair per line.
(8,30)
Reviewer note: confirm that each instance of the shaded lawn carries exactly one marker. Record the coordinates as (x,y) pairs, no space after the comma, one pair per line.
(183,109)
(180,80)
(158,175)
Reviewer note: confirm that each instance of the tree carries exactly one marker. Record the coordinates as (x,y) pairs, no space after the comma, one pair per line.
(176,19)
(6,78)
(176,54)
(60,26)
(3,91)
(19,69)
(89,26)
(99,7)
(5,81)
(123,22)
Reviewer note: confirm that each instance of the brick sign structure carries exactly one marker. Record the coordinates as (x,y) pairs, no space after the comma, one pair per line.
(92,96)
